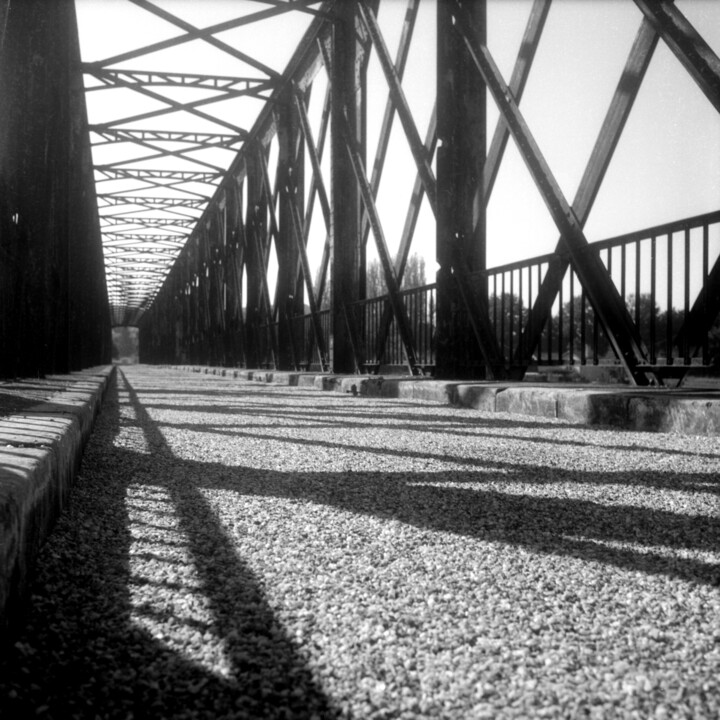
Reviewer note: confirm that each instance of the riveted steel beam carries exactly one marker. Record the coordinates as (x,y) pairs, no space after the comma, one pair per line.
(153,202)
(161,153)
(408,231)
(610,132)
(688,46)
(111,220)
(593,275)
(321,273)
(162,79)
(400,102)
(315,159)
(208,35)
(401,57)
(518,80)
(115,173)
(114,135)
(289,188)
(462,310)
(346,64)
(391,282)
(172,106)
(259,310)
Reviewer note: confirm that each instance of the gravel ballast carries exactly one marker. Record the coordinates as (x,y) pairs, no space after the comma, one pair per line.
(241,550)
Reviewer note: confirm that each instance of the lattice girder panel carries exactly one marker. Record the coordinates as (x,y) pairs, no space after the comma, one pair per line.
(187,91)
(317,192)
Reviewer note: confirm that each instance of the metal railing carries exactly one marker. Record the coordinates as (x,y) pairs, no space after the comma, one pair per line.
(307,352)
(380,334)
(659,272)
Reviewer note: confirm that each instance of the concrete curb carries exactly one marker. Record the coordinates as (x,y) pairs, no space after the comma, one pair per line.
(618,406)
(40,452)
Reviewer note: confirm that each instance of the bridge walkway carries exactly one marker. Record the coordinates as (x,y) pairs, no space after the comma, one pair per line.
(239,549)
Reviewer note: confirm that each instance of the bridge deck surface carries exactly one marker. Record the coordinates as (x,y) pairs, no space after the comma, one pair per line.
(243,549)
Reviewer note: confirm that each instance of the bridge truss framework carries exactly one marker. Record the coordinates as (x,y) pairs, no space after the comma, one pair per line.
(196,276)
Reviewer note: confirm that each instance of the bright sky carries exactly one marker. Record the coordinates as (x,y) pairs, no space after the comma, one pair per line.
(665,167)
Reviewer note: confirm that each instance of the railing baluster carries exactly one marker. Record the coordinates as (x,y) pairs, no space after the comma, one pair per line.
(502,315)
(705,261)
(583,333)
(539,284)
(571,321)
(686,297)
(520,304)
(495,303)
(637,285)
(561,322)
(668,319)
(653,309)
(531,299)
(512,313)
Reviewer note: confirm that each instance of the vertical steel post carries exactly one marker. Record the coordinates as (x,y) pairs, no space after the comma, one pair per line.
(51,270)
(347,77)
(289,287)
(255,228)
(460,241)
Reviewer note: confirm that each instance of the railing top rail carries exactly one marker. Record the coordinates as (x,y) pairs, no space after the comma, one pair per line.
(644,234)
(307,316)
(659,230)
(518,264)
(406,291)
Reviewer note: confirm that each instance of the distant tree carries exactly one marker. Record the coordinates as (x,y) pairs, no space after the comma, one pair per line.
(414,276)
(509,315)
(644,313)
(374,279)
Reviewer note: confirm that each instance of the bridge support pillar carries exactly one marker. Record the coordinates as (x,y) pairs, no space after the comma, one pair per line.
(465,345)
(289,287)
(347,123)
(54,314)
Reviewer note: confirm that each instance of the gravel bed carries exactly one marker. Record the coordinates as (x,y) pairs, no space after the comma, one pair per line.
(240,550)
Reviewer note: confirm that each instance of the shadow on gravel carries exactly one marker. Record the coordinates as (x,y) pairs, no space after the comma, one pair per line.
(564,526)
(576,528)
(84,655)
(682,482)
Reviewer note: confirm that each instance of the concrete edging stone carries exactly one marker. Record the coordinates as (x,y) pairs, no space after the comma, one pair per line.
(616,406)
(40,452)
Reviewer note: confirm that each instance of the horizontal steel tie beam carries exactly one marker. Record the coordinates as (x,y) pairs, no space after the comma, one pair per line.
(196,138)
(150,201)
(152,77)
(157,174)
(150,222)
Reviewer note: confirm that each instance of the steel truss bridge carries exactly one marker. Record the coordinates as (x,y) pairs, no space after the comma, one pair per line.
(203,234)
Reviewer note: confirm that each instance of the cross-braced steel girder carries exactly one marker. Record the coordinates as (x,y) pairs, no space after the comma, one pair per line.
(268,279)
